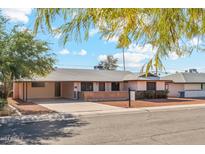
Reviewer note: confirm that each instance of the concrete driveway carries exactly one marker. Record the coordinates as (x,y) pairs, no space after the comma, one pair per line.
(75,107)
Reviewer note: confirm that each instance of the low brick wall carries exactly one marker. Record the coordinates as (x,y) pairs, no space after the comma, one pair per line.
(104,95)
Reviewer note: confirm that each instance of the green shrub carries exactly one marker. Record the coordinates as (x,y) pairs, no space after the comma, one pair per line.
(139,94)
(151,94)
(162,94)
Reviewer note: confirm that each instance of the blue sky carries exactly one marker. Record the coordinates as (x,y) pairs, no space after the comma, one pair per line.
(88,53)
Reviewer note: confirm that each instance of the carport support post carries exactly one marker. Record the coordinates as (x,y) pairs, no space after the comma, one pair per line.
(129,97)
(23,91)
(26,92)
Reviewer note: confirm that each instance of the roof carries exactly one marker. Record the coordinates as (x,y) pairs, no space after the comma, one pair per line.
(139,76)
(186,77)
(81,75)
(61,74)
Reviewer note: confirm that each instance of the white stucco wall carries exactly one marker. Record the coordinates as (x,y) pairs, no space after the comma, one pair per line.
(174,89)
(192,86)
(41,92)
(67,89)
(125,86)
(141,85)
(160,85)
(20,90)
(15,90)
(132,85)
(78,85)
(95,86)
(108,86)
(121,86)
(194,93)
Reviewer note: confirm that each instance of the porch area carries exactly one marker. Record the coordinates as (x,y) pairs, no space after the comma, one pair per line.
(43,90)
(83,91)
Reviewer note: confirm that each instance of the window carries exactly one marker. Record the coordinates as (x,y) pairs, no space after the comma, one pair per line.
(37,84)
(151,85)
(86,86)
(101,86)
(166,86)
(202,86)
(115,86)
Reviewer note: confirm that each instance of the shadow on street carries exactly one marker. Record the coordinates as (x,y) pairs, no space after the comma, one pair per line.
(35,132)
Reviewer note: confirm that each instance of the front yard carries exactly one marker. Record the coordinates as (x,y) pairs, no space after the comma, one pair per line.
(27,108)
(155,102)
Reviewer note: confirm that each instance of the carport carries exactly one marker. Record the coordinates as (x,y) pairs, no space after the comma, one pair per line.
(43,90)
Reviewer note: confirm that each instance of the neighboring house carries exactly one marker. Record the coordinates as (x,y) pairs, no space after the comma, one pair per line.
(187,84)
(89,84)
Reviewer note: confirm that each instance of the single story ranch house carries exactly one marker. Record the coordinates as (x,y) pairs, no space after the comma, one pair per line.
(186,84)
(86,84)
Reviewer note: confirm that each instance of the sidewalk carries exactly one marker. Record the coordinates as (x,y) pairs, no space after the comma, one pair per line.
(73,116)
(140,110)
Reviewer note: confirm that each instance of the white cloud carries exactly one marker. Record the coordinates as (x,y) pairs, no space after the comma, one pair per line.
(131,59)
(135,56)
(82,52)
(93,31)
(195,41)
(22,28)
(17,15)
(102,57)
(146,50)
(64,52)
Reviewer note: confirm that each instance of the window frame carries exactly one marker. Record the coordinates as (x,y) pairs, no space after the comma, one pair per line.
(166,86)
(152,89)
(38,84)
(86,86)
(118,86)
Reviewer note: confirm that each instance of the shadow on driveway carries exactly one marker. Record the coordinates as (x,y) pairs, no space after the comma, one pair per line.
(37,132)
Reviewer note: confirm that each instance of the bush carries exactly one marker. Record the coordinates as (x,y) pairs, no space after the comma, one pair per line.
(162,94)
(151,94)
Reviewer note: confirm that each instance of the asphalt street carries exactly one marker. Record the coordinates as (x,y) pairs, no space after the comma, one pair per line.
(180,126)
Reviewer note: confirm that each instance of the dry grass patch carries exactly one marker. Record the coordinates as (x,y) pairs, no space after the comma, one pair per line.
(155,102)
(28,107)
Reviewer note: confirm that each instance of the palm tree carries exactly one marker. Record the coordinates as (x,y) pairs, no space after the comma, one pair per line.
(166,29)
(123,52)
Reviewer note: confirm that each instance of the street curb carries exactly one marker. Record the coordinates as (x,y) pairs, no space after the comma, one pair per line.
(36,118)
(141,110)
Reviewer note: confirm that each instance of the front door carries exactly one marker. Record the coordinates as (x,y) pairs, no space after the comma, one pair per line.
(57,89)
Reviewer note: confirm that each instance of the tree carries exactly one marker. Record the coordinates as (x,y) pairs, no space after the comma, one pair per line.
(23,56)
(167,30)
(110,63)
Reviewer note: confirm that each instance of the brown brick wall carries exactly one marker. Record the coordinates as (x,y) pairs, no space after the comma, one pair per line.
(104,95)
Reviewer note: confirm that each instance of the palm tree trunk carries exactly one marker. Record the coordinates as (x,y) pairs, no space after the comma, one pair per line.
(123,51)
